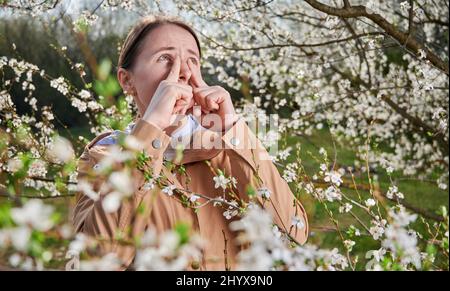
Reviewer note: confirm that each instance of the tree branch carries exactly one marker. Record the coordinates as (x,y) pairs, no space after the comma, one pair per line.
(425,128)
(416,122)
(347,4)
(361,11)
(297,45)
(411,17)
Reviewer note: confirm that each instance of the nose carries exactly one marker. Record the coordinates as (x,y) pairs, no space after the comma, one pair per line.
(185,73)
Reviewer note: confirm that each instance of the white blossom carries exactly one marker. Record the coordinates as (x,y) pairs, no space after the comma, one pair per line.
(86,188)
(333,177)
(370,202)
(194,198)
(331,194)
(111,202)
(60,85)
(84,94)
(404,6)
(168,190)
(121,181)
(345,208)
(263,192)
(35,214)
(220,181)
(393,193)
(38,168)
(297,222)
(377,229)
(79,104)
(62,149)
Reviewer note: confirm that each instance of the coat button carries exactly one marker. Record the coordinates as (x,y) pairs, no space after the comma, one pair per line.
(156,143)
(234,141)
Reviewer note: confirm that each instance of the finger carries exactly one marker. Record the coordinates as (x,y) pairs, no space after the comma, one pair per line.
(200,100)
(217,96)
(178,109)
(185,106)
(180,104)
(197,111)
(184,93)
(188,102)
(212,101)
(191,104)
(174,73)
(204,90)
(200,95)
(181,86)
(183,98)
(185,109)
(196,76)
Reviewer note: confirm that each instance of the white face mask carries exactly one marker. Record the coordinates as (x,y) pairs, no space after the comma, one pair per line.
(180,135)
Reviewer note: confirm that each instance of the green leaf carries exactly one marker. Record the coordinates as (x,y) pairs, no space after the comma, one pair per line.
(183,231)
(5,215)
(104,69)
(250,190)
(109,87)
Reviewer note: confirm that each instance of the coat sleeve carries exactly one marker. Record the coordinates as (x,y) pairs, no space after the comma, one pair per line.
(251,165)
(90,218)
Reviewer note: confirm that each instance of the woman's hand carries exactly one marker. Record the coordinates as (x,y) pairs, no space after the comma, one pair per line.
(170,99)
(211,99)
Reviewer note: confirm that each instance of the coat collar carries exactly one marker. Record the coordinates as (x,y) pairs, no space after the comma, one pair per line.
(207,150)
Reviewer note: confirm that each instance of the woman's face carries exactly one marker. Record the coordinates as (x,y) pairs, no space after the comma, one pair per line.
(152,65)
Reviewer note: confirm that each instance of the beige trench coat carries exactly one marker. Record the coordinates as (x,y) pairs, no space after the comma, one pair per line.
(236,158)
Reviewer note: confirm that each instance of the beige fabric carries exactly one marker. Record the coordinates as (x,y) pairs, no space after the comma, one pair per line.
(164,212)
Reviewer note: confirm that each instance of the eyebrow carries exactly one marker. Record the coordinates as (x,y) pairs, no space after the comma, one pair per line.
(171,48)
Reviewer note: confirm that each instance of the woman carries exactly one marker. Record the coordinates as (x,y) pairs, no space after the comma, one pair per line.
(159,65)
